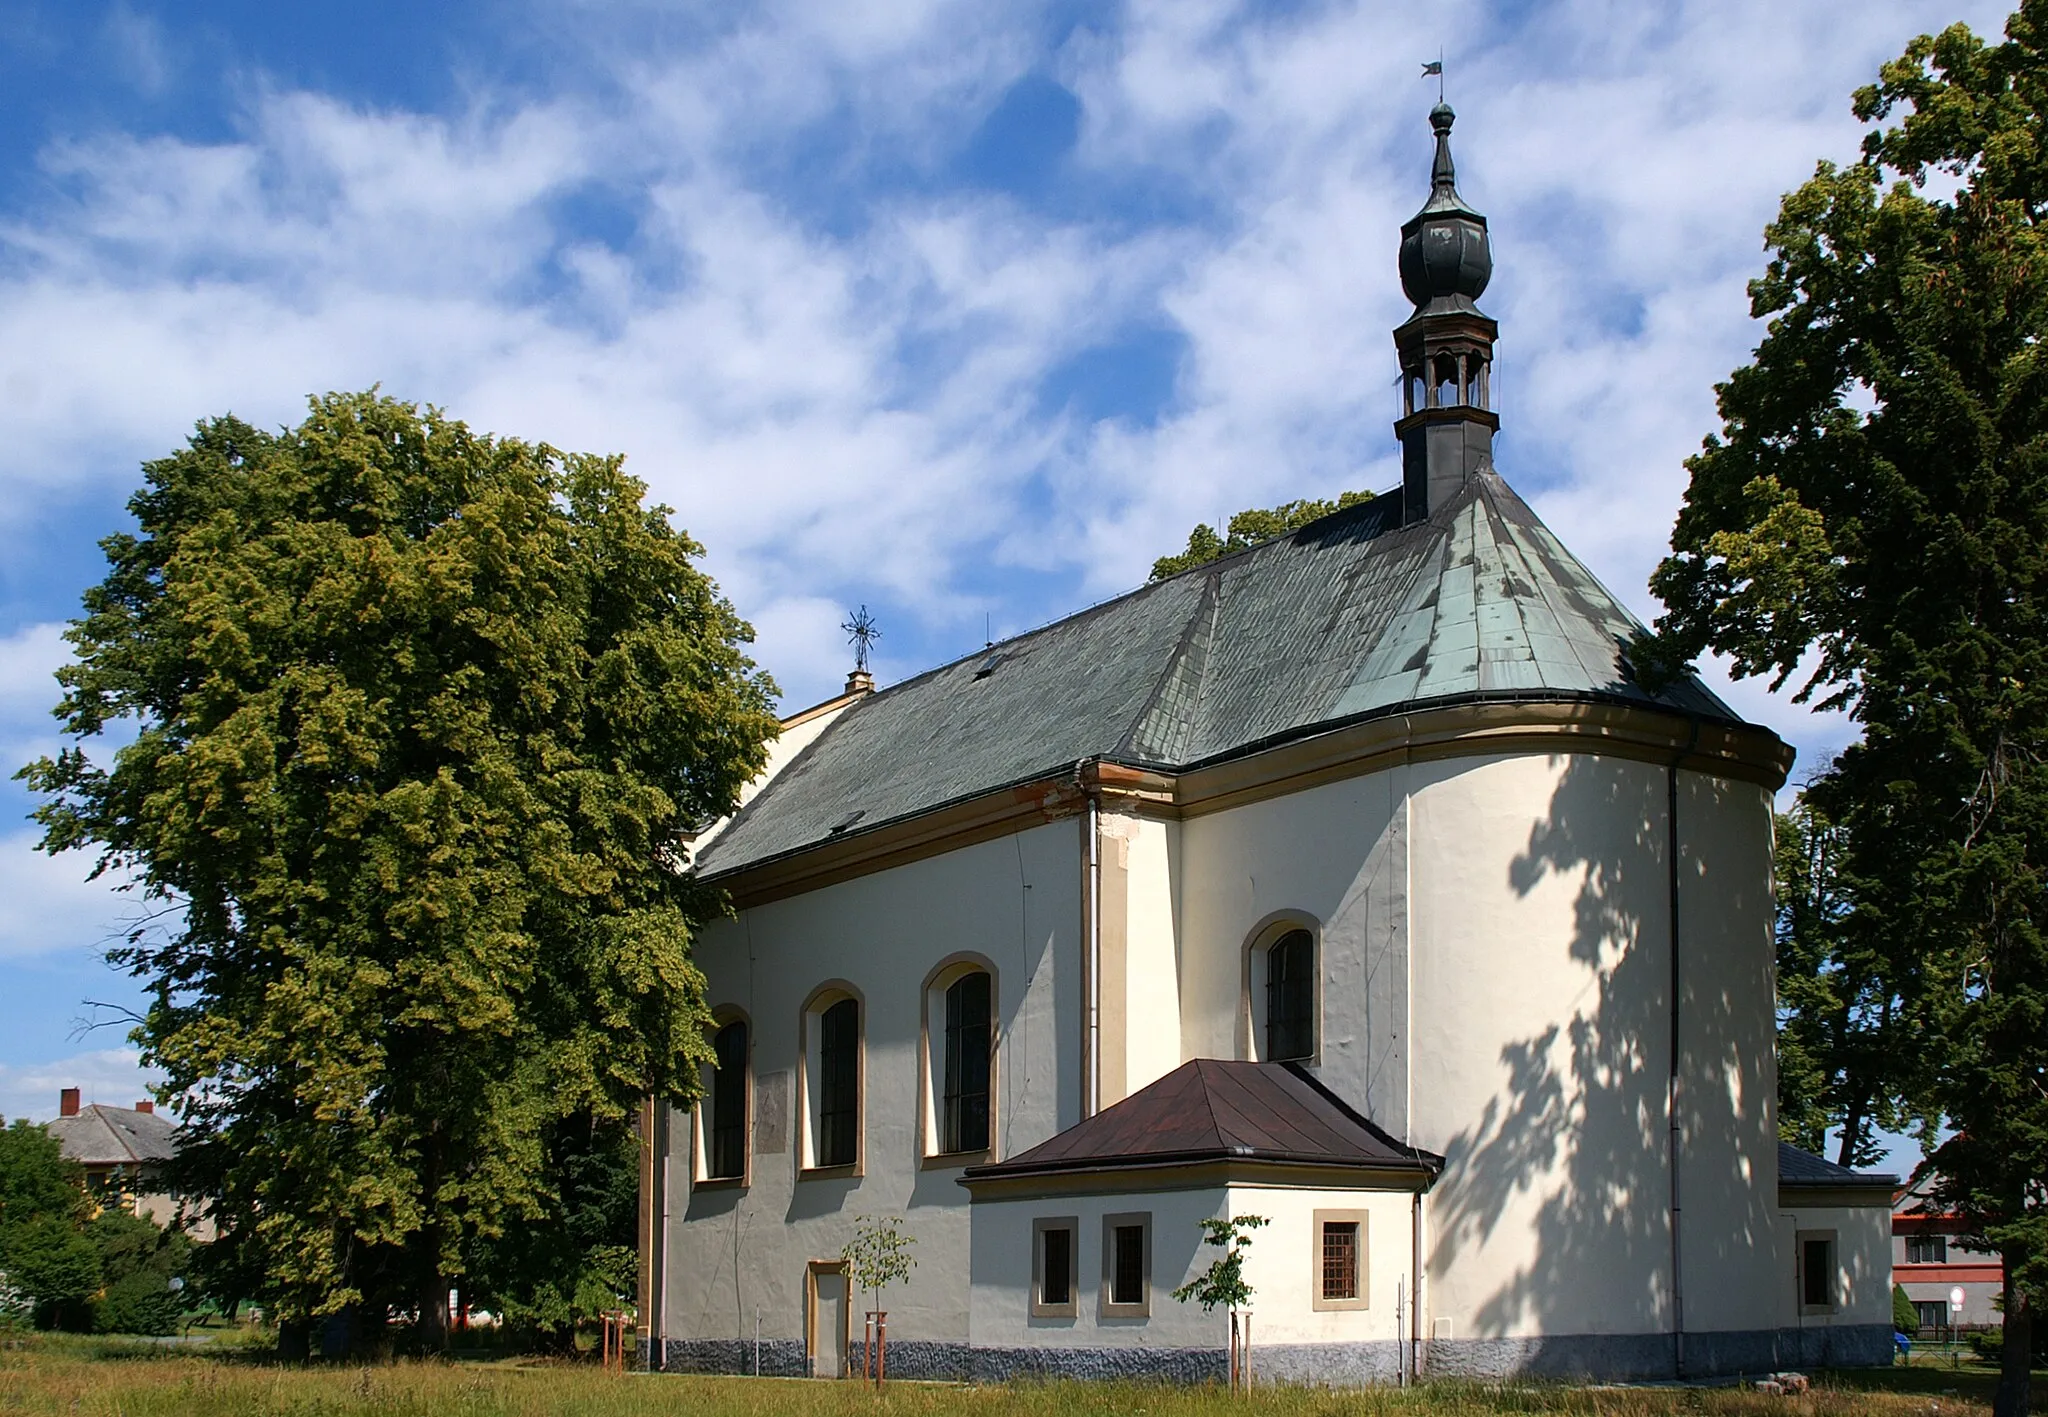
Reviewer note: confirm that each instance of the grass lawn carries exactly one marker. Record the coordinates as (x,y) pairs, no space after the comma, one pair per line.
(102,1378)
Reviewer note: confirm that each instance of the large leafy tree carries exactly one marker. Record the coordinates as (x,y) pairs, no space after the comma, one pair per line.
(1874,518)
(418,713)
(45,1256)
(1248,528)
(1848,1054)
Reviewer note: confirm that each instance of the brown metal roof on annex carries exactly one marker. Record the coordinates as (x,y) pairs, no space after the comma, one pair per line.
(1210,1110)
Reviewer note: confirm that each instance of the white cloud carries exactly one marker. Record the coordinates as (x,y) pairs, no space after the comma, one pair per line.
(114,1076)
(842,404)
(48,906)
(136,48)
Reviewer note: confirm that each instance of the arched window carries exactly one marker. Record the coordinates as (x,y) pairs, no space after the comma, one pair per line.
(726,1145)
(1291,997)
(838,1139)
(963,1099)
(957,1070)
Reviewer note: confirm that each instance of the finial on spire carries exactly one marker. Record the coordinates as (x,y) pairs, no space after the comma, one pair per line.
(1443,173)
(862,631)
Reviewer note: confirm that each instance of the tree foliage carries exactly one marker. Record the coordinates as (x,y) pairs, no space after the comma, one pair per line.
(1874,519)
(548,1278)
(70,1264)
(44,1254)
(418,713)
(1248,528)
(1848,1056)
(878,1255)
(1223,1284)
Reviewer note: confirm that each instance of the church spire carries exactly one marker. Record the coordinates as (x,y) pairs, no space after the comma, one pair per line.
(1446,346)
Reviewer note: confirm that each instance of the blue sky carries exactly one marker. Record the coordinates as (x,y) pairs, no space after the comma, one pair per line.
(964,311)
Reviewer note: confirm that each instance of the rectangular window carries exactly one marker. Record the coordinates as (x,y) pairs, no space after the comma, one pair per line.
(1127,1281)
(1339,1256)
(964,1101)
(839,1084)
(1058,1289)
(1933,1312)
(1053,1246)
(1340,1259)
(1127,1265)
(1927,1249)
(1817,1271)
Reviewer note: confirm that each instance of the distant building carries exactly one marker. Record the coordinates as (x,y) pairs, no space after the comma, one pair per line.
(1930,1261)
(124,1152)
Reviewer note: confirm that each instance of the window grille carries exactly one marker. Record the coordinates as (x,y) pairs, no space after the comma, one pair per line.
(1340,1259)
(1291,997)
(728,1158)
(964,1098)
(838,1083)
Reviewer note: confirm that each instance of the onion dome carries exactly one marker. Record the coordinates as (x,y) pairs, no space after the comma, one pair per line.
(1446,258)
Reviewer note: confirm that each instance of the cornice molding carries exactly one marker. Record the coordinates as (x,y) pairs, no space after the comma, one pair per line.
(1834,1197)
(1193,1176)
(1738,751)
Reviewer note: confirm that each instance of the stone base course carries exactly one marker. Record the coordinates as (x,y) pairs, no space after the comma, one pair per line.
(1644,1357)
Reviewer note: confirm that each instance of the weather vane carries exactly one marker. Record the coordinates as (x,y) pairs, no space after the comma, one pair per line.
(1435,68)
(861,633)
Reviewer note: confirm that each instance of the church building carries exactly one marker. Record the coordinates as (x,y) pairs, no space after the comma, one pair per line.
(1352,882)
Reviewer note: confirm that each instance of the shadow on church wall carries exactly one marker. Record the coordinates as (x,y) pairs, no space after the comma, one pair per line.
(1580,1117)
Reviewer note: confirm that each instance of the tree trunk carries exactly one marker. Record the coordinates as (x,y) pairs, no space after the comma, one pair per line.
(1852,1128)
(2018,1349)
(433,1330)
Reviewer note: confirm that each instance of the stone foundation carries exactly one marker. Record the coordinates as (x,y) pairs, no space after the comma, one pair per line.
(1647,1357)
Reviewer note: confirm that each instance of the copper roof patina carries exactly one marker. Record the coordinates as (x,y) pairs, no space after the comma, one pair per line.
(1351,617)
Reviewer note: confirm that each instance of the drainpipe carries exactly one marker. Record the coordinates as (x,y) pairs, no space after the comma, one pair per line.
(1091,1061)
(1671,1097)
(657,1263)
(1415,1289)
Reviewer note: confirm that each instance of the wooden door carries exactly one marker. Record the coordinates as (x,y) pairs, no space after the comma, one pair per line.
(828,1322)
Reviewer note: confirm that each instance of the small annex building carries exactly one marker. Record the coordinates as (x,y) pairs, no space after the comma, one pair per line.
(1353,881)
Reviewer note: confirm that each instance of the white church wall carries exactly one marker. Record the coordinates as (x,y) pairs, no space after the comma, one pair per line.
(1283,1265)
(735,1251)
(1541,974)
(1002,1268)
(1542,998)
(1141,949)
(1860,1239)
(1728,1096)
(1335,855)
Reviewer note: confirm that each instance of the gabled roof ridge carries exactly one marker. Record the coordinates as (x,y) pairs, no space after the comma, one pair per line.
(1208,1100)
(1201,626)
(1379,1133)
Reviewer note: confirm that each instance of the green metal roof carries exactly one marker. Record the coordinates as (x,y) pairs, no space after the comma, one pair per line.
(1352,616)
